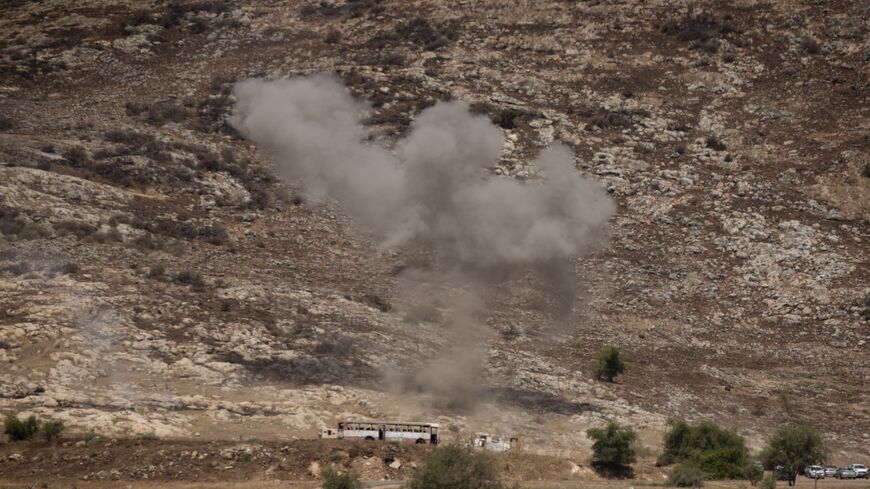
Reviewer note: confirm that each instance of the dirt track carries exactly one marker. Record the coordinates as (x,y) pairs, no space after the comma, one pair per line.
(546,484)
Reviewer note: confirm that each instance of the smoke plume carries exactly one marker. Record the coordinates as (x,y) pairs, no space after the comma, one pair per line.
(436,191)
(433,189)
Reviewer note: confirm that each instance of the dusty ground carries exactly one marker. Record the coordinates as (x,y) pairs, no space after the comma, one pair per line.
(156,278)
(222,462)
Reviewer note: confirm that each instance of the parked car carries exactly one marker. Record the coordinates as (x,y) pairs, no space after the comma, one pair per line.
(830,470)
(860,470)
(814,472)
(845,473)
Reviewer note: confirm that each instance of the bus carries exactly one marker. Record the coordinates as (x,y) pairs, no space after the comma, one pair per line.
(398,431)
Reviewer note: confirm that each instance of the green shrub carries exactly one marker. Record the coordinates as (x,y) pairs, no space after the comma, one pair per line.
(380,303)
(613,445)
(93,438)
(506,118)
(866,172)
(10,222)
(334,480)
(456,467)
(609,363)
(191,278)
(52,429)
(768,482)
(158,113)
(686,475)
(753,473)
(18,430)
(6,123)
(715,144)
(76,155)
(332,36)
(78,229)
(717,451)
(723,463)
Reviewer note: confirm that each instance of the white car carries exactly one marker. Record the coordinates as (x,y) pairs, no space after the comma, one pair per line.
(860,470)
(815,472)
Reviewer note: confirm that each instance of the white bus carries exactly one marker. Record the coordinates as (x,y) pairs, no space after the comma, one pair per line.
(400,431)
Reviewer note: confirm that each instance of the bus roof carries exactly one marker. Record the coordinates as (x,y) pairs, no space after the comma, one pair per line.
(377,421)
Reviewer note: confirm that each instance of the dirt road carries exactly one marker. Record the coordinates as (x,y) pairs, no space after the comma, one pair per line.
(623,484)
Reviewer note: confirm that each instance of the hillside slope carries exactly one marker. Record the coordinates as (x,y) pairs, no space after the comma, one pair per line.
(158,277)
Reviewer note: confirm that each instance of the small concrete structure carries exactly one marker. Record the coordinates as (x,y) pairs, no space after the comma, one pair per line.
(494,443)
(327,433)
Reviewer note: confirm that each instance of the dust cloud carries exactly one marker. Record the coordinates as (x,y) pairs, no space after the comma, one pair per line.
(432,190)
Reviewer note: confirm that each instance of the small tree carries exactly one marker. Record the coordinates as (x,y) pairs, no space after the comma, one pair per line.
(686,475)
(334,480)
(52,429)
(768,482)
(455,467)
(753,473)
(18,430)
(613,446)
(609,363)
(792,448)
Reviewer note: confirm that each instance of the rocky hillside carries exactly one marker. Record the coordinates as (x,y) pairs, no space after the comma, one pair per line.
(157,277)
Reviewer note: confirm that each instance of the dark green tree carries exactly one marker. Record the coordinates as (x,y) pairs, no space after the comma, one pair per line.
(792,448)
(609,363)
(719,453)
(455,467)
(18,430)
(613,446)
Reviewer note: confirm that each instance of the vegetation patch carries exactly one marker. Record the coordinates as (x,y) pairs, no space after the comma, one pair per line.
(158,113)
(613,448)
(686,475)
(335,480)
(702,31)
(713,143)
(718,453)
(456,467)
(793,448)
(609,363)
(26,429)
